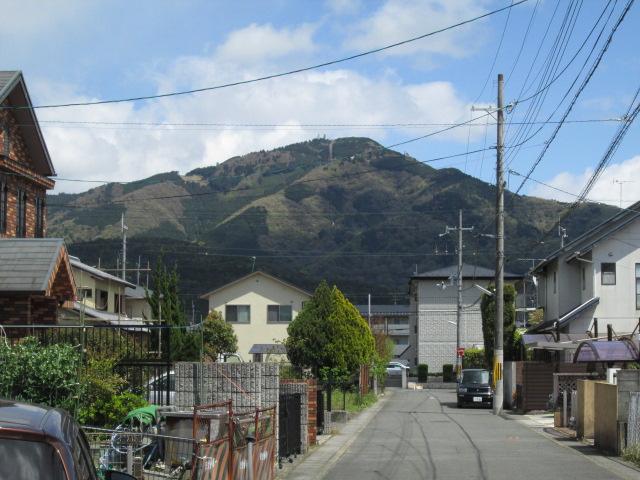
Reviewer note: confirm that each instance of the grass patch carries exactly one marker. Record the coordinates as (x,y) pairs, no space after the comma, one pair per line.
(632,454)
(350,401)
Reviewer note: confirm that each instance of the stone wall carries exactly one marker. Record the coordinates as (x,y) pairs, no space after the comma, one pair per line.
(248,385)
(606,419)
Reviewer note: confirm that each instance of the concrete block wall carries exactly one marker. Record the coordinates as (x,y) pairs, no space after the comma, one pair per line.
(247,385)
(606,433)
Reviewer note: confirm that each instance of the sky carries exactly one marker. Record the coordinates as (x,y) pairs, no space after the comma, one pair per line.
(77,51)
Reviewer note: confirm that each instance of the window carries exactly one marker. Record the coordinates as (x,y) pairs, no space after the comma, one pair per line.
(279,313)
(555,283)
(21,223)
(84,293)
(637,286)
(102,299)
(608,272)
(4,194)
(40,217)
(238,313)
(29,460)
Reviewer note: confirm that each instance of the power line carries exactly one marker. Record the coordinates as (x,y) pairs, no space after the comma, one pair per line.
(276,75)
(585,82)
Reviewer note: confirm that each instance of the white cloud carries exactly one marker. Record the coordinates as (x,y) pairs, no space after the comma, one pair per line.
(264,42)
(605,190)
(344,7)
(397,20)
(327,97)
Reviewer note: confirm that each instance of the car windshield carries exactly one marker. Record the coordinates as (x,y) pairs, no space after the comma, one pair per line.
(29,460)
(475,376)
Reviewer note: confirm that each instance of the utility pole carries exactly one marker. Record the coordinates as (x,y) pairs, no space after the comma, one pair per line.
(620,182)
(458,229)
(498,348)
(124,249)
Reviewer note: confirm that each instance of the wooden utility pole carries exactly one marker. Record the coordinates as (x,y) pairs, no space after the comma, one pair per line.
(498,351)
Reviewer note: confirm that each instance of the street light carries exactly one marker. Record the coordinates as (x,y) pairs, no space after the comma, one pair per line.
(483,290)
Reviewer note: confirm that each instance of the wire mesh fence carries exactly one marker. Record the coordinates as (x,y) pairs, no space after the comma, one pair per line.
(145,455)
(633,425)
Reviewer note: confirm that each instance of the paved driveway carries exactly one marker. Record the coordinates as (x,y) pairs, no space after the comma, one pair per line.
(422,435)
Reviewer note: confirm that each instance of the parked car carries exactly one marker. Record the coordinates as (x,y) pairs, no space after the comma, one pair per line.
(43,442)
(396,368)
(474,388)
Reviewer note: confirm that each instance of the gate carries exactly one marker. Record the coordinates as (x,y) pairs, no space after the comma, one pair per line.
(290,442)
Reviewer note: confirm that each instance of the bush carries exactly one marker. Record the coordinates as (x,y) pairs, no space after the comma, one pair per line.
(447,373)
(473,358)
(632,454)
(423,372)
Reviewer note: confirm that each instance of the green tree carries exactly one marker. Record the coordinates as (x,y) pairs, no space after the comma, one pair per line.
(218,336)
(164,300)
(330,335)
(488,308)
(382,357)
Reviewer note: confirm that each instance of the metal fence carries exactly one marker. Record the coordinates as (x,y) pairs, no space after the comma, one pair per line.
(633,424)
(143,353)
(234,445)
(145,455)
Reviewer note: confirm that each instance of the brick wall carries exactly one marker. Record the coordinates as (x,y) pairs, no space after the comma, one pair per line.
(312,427)
(25,309)
(19,175)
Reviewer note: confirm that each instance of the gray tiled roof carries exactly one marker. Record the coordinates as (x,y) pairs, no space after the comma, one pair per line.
(26,264)
(468,271)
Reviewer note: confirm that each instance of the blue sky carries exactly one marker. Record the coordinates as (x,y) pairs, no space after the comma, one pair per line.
(78,51)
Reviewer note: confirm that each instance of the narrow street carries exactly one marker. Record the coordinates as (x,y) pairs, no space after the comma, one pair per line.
(422,435)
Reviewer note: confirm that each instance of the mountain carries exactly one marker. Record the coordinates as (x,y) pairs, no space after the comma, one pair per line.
(346,210)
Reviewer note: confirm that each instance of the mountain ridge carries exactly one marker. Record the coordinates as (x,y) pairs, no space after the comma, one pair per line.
(348,210)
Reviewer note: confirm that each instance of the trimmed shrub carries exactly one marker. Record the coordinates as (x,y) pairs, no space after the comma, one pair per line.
(423,372)
(473,358)
(447,373)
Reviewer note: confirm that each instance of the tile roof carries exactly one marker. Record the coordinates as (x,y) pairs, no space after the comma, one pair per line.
(468,271)
(26,264)
(76,263)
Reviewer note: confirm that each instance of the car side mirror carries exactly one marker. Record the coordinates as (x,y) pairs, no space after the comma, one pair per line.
(115,475)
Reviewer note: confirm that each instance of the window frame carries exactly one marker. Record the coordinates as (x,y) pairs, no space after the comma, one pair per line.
(279,313)
(99,295)
(229,307)
(602,273)
(40,206)
(21,213)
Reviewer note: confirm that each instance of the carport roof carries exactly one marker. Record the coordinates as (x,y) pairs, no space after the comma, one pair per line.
(603,351)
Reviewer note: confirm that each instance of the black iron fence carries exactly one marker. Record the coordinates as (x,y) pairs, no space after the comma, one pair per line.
(290,441)
(142,353)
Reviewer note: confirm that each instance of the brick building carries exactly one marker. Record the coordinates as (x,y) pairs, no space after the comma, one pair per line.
(35,275)
(25,165)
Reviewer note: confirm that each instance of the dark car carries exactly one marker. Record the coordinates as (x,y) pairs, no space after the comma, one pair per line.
(474,388)
(38,442)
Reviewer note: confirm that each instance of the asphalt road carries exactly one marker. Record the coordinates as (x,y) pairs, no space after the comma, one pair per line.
(423,435)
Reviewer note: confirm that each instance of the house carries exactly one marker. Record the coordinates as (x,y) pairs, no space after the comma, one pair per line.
(25,165)
(393,321)
(35,280)
(35,275)
(100,295)
(136,304)
(260,308)
(592,282)
(433,306)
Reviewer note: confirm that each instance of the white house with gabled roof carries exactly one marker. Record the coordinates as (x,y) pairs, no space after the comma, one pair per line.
(260,308)
(593,281)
